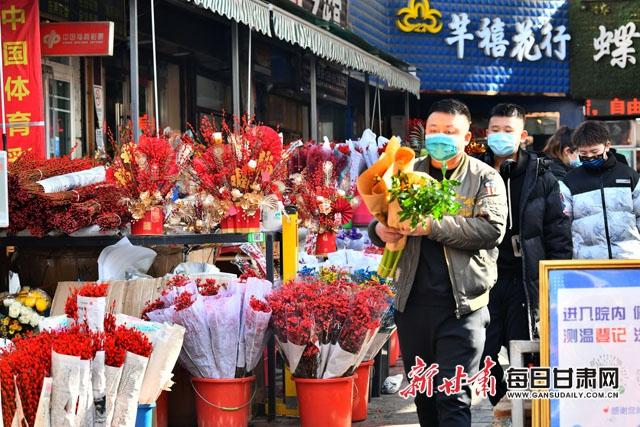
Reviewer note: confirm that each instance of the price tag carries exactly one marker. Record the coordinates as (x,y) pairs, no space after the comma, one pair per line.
(256,238)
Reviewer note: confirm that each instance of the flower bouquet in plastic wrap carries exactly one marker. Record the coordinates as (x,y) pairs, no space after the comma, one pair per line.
(325,322)
(74,376)
(395,193)
(225,324)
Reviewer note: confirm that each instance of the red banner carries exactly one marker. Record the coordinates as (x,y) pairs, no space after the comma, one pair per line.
(22,82)
(77,38)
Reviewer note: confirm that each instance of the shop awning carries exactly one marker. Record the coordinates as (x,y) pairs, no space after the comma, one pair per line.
(295,30)
(252,13)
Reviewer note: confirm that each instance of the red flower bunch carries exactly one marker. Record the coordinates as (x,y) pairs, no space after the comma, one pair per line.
(74,341)
(94,290)
(259,305)
(114,353)
(133,341)
(28,362)
(150,306)
(208,287)
(330,309)
(183,301)
(147,171)
(322,206)
(71,305)
(177,281)
(238,168)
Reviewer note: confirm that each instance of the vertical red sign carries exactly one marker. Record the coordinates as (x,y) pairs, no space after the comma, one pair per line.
(22,83)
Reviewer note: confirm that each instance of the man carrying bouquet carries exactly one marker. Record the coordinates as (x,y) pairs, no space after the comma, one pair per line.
(448,266)
(537,229)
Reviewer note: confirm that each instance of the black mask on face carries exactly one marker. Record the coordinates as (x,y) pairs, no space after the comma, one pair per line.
(593,162)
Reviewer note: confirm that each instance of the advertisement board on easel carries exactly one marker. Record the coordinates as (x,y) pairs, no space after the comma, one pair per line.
(590,318)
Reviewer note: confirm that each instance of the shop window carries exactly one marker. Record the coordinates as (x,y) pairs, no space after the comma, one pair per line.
(211,94)
(540,127)
(59,117)
(624,139)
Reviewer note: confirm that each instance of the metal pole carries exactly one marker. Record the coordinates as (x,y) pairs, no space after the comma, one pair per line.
(314,100)
(4,113)
(271,345)
(367,102)
(155,67)
(235,69)
(135,85)
(406,113)
(249,79)
(379,109)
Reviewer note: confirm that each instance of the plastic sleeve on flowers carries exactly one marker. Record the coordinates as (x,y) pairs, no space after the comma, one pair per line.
(99,383)
(112,381)
(126,406)
(92,310)
(85,399)
(197,355)
(166,349)
(43,414)
(65,372)
(224,329)
(255,330)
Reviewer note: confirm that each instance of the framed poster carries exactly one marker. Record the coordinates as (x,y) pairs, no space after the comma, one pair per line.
(590,320)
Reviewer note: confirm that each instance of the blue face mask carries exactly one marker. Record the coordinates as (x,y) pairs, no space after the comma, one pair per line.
(594,162)
(441,147)
(502,144)
(575,163)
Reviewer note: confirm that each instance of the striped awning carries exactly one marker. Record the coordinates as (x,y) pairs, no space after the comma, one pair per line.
(252,13)
(258,15)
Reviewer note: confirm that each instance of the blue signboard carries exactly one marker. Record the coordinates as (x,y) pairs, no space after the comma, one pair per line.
(590,317)
(479,46)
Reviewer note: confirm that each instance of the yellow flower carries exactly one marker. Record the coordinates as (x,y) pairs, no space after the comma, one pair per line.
(125,156)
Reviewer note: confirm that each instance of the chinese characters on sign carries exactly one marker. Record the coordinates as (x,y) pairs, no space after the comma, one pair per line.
(22,85)
(621,40)
(330,10)
(612,107)
(77,38)
(419,17)
(523,46)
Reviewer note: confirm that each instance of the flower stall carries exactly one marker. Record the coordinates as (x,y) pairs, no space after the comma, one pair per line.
(214,186)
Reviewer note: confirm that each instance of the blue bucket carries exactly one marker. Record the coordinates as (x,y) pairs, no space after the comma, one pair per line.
(145,415)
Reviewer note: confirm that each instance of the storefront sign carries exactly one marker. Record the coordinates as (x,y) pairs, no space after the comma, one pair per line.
(419,17)
(590,317)
(474,47)
(330,10)
(612,107)
(616,45)
(22,85)
(524,45)
(77,38)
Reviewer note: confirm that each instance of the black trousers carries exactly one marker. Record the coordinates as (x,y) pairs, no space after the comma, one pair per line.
(437,336)
(509,321)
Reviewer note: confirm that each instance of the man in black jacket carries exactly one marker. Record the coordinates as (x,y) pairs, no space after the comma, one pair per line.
(537,229)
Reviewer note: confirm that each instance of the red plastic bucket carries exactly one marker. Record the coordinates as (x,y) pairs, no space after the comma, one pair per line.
(224,402)
(325,402)
(241,222)
(361,401)
(394,348)
(151,224)
(326,243)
